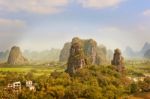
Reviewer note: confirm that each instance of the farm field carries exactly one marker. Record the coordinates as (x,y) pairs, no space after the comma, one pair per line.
(36,70)
(138,69)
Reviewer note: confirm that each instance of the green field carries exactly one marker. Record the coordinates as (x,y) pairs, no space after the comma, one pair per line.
(36,70)
(132,69)
(138,69)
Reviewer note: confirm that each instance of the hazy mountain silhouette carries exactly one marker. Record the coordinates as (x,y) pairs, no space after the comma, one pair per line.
(4,55)
(145,48)
(130,53)
(147,54)
(43,56)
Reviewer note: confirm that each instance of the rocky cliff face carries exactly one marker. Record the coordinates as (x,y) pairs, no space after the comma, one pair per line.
(76,59)
(64,54)
(118,60)
(84,52)
(16,57)
(95,54)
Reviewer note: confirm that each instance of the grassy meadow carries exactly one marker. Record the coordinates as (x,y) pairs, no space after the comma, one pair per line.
(37,70)
(136,68)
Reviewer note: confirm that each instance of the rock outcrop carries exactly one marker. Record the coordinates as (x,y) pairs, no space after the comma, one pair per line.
(76,59)
(118,60)
(84,52)
(95,54)
(64,54)
(16,57)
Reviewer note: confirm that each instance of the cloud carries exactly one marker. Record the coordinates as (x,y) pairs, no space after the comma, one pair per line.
(99,4)
(146,12)
(11,25)
(33,6)
(11,22)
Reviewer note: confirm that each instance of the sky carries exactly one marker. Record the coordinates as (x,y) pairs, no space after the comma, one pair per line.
(46,24)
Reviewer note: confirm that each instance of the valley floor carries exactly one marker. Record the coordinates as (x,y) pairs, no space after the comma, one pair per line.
(40,74)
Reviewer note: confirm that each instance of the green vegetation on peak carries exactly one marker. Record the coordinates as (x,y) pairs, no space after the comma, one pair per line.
(95,54)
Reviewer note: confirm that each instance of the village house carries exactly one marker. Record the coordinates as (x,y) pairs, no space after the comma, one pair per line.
(16,86)
(136,79)
(30,85)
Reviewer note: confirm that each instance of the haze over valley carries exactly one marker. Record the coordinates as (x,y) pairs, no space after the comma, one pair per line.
(74,49)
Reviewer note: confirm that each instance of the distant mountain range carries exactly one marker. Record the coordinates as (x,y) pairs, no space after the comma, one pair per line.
(35,56)
(43,56)
(4,55)
(143,53)
(53,54)
(129,52)
(145,48)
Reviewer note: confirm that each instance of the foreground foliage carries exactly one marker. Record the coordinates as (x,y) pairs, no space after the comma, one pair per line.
(92,82)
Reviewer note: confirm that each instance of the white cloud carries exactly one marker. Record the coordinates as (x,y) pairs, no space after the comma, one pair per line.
(33,6)
(99,4)
(146,12)
(11,23)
